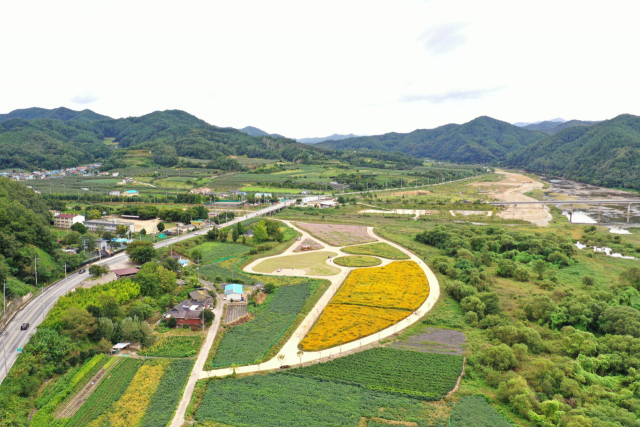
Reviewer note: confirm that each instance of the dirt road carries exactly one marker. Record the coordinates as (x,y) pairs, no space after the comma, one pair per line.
(512,189)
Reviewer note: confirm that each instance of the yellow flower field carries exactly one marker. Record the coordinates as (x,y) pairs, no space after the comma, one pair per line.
(131,406)
(370,300)
(343,323)
(401,284)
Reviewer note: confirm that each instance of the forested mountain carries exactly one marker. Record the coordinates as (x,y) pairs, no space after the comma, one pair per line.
(550,127)
(60,113)
(334,137)
(49,144)
(52,144)
(258,132)
(557,121)
(606,153)
(482,140)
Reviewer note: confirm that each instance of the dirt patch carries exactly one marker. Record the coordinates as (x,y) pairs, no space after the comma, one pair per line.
(337,234)
(150,225)
(313,245)
(240,321)
(412,193)
(435,340)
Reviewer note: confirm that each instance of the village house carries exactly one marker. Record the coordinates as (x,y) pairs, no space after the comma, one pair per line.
(67,220)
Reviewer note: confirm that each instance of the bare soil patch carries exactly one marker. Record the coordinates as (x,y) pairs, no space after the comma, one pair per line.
(436,340)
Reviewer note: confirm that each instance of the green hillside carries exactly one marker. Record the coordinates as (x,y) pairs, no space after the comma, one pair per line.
(60,113)
(607,153)
(168,135)
(550,127)
(482,140)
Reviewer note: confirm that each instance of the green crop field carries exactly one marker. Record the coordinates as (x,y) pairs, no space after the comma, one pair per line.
(213,251)
(175,346)
(289,401)
(428,375)
(164,401)
(474,411)
(108,391)
(271,190)
(357,261)
(382,249)
(250,341)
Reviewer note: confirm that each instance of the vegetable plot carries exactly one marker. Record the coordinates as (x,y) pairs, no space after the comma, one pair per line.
(474,411)
(427,375)
(175,346)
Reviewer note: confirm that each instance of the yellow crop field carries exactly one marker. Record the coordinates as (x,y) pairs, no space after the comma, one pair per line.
(401,284)
(370,300)
(132,405)
(343,323)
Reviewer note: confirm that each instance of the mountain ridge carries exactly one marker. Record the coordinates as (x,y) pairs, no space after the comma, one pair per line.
(60,113)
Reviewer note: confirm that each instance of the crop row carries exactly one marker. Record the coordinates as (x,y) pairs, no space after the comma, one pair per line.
(381,249)
(132,405)
(164,401)
(276,400)
(247,342)
(428,375)
(474,411)
(108,391)
(176,346)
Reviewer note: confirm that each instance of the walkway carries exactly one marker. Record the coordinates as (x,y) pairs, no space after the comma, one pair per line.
(290,349)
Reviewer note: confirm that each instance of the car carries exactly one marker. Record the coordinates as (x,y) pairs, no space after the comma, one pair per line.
(24,327)
(279,270)
(82,270)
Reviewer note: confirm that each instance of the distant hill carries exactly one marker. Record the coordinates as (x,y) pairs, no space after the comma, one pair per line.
(606,153)
(334,137)
(550,127)
(54,143)
(482,140)
(253,131)
(60,113)
(523,124)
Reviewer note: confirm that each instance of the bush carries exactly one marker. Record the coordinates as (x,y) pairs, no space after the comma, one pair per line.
(521,274)
(499,357)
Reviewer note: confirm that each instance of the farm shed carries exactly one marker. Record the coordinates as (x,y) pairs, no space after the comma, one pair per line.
(233,291)
(126,272)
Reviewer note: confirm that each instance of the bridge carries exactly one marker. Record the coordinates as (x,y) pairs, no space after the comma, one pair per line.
(627,202)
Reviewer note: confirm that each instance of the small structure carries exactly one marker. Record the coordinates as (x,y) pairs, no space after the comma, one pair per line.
(305,247)
(201,296)
(130,216)
(107,225)
(183,262)
(120,346)
(114,193)
(249,233)
(130,193)
(188,313)
(126,272)
(233,291)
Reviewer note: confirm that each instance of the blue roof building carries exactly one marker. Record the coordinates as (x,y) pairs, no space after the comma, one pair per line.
(233,288)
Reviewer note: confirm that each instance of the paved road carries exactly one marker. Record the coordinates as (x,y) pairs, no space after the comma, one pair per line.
(36,309)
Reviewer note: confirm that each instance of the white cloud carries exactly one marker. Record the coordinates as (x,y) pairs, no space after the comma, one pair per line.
(443,38)
(454,95)
(85,98)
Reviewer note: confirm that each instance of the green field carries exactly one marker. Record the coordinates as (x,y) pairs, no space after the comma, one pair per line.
(175,346)
(474,411)
(271,190)
(289,401)
(213,251)
(357,261)
(428,375)
(382,249)
(249,342)
(314,263)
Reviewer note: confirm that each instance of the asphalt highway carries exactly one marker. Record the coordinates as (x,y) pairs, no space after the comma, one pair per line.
(12,337)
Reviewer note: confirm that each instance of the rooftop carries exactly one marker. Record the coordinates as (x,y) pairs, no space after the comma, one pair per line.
(233,288)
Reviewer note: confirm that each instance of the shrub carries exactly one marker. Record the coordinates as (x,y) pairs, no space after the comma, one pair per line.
(499,357)
(521,274)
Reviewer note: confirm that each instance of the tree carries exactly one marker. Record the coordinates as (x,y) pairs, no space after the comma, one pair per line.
(474,304)
(196,254)
(300,353)
(79,227)
(269,288)
(141,252)
(235,234)
(154,280)
(499,357)
(72,238)
(588,281)
(539,266)
(78,323)
(160,227)
(240,228)
(94,214)
(506,268)
(143,232)
(172,322)
(521,274)
(212,234)
(224,235)
(281,358)
(95,270)
(107,236)
(208,316)
(122,230)
(106,329)
(260,232)
(171,264)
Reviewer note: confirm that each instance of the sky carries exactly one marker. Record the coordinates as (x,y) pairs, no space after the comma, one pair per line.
(313,68)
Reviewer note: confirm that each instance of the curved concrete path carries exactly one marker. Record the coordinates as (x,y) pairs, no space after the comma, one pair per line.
(290,349)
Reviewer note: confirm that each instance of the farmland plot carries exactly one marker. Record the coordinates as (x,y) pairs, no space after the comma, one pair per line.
(380,249)
(337,234)
(175,346)
(427,375)
(474,411)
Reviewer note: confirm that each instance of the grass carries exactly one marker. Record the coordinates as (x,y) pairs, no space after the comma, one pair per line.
(313,263)
(381,249)
(357,261)
(175,346)
(213,251)
(271,190)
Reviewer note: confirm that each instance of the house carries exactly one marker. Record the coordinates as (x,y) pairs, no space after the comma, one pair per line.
(233,292)
(67,220)
(115,174)
(201,295)
(130,193)
(107,225)
(126,272)
(114,193)
(188,312)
